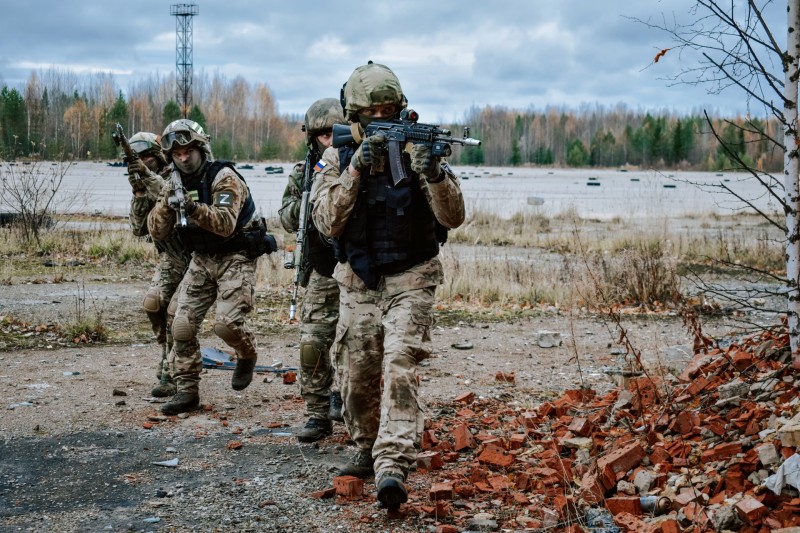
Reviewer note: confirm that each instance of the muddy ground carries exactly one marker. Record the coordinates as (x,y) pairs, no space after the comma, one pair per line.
(81,437)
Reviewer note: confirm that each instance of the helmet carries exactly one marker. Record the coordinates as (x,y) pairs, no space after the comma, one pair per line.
(145,143)
(369,85)
(185,132)
(321,117)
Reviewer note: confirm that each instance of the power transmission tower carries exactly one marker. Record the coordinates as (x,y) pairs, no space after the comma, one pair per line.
(183,14)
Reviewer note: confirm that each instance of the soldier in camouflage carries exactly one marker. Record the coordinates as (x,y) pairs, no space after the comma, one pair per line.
(146,176)
(320,305)
(388,244)
(225,236)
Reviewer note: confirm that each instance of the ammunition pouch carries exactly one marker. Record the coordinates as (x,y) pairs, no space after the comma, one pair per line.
(258,242)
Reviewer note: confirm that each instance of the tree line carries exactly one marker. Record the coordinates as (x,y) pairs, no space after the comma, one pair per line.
(61,114)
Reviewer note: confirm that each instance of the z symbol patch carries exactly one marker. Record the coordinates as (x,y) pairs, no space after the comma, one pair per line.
(223,199)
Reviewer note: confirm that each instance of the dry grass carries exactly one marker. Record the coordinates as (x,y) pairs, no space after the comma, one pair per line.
(518,263)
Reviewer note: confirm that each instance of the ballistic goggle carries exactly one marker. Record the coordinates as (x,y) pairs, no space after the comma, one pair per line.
(181,137)
(142,146)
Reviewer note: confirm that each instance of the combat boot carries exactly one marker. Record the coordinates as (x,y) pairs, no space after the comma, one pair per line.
(165,388)
(392,491)
(182,402)
(335,407)
(361,465)
(315,429)
(243,373)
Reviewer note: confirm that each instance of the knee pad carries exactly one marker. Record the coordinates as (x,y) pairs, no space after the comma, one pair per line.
(182,329)
(228,334)
(311,355)
(152,302)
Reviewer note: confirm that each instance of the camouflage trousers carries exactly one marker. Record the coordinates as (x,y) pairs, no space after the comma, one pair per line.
(319,313)
(163,287)
(383,336)
(228,281)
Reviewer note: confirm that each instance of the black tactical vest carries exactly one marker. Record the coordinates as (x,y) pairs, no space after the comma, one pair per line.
(391,228)
(204,242)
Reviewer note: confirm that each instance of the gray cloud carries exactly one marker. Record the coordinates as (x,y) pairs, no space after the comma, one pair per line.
(448,55)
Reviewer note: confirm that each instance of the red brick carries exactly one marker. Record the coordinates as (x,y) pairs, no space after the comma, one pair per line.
(741,359)
(500,483)
(520,498)
(505,377)
(580,395)
(629,522)
(668,525)
(348,486)
(565,507)
(660,455)
(618,462)
(722,451)
(429,439)
(289,377)
(592,491)
(697,385)
(516,440)
(493,455)
(429,460)
(467,398)
(645,390)
(751,511)
(462,438)
(446,528)
(684,422)
(330,492)
(697,514)
(686,497)
(624,504)
(581,426)
(441,491)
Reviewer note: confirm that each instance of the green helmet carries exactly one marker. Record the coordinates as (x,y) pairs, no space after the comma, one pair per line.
(369,85)
(185,132)
(145,143)
(320,118)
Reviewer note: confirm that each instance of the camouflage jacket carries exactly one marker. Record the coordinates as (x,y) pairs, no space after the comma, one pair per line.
(141,205)
(334,195)
(219,217)
(289,212)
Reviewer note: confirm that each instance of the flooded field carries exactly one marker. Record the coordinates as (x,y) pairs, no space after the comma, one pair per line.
(602,194)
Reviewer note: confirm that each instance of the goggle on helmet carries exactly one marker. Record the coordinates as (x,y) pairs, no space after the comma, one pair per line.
(183,132)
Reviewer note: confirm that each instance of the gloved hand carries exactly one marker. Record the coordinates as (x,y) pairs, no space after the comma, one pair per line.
(189,205)
(371,154)
(423,162)
(137,171)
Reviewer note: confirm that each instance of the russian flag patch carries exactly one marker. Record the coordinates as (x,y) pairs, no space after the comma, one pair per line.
(319,166)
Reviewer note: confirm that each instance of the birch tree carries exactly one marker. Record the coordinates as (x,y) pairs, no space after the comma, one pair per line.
(733,46)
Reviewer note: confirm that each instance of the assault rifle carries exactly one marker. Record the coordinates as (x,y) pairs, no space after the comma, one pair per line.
(400,135)
(120,140)
(299,260)
(178,200)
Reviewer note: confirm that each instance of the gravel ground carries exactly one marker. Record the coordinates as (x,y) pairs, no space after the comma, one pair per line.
(76,453)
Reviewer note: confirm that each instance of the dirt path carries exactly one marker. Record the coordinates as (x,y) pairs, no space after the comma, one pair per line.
(76,454)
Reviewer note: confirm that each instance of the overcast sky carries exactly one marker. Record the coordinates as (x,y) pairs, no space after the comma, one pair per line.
(449,55)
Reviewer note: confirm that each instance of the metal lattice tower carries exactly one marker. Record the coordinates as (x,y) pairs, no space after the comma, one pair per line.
(183,14)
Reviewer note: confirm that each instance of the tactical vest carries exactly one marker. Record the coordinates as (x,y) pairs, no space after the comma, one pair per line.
(391,228)
(202,241)
(320,255)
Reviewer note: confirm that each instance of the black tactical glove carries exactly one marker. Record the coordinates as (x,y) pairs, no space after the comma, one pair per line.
(423,162)
(371,154)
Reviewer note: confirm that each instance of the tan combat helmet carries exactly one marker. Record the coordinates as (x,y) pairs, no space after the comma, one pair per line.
(145,143)
(320,118)
(369,85)
(185,132)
